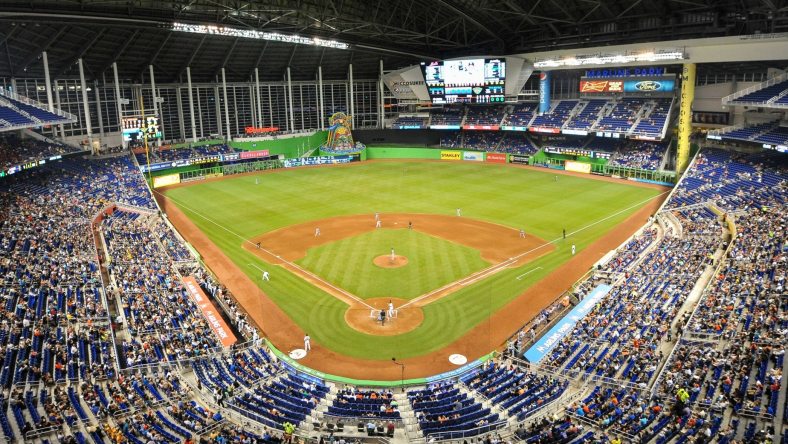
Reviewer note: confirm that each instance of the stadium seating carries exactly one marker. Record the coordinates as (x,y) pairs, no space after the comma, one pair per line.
(763,95)
(16,151)
(409,122)
(484,115)
(586,118)
(520,115)
(557,116)
(639,154)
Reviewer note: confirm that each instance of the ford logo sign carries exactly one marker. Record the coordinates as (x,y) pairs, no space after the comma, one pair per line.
(648,85)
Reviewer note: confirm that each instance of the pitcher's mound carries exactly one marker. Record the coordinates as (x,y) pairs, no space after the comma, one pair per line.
(386,261)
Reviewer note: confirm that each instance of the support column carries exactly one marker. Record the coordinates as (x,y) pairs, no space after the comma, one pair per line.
(685,116)
(218,110)
(179,102)
(226,106)
(290,99)
(381,106)
(321,110)
(98,108)
(257,93)
(191,103)
(156,112)
(85,107)
(118,103)
(57,102)
(235,112)
(253,103)
(352,98)
(48,81)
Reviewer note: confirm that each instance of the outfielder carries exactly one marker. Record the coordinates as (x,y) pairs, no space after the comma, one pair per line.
(459,212)
(573,249)
(266,277)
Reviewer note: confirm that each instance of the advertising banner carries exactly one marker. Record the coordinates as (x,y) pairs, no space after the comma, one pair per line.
(208,310)
(473,156)
(631,86)
(514,128)
(446,127)
(318,160)
(519,158)
(544,92)
(482,127)
(254,154)
(496,157)
(541,129)
(163,181)
(580,167)
(546,343)
(451,155)
(260,130)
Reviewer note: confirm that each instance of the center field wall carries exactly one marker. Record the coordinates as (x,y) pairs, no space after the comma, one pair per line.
(289,147)
(383,152)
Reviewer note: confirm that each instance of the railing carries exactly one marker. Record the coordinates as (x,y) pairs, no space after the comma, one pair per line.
(774,80)
(466,433)
(28,101)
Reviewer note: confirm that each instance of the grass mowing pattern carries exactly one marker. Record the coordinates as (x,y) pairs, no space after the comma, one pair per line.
(502,194)
(432,263)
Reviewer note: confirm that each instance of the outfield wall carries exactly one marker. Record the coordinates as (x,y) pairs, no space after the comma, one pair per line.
(288,147)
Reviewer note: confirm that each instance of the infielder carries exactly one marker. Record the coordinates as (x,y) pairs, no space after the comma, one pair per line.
(377,216)
(377,223)
(307,342)
(459,212)
(266,277)
(391,309)
(573,249)
(522,233)
(317,231)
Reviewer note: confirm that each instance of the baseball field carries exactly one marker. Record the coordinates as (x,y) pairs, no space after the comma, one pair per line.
(460,284)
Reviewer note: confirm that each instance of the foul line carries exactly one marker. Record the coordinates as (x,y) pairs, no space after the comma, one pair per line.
(495,268)
(291,264)
(527,273)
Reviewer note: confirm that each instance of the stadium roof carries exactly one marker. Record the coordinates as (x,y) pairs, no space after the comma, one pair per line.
(136,33)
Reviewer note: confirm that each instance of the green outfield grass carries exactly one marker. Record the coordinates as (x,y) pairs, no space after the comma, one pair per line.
(235,208)
(432,263)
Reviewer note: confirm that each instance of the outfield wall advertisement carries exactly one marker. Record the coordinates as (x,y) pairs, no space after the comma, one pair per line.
(496,157)
(519,158)
(163,181)
(451,155)
(546,343)
(579,167)
(320,160)
(473,156)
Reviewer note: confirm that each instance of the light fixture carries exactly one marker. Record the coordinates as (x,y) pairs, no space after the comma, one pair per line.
(259,35)
(607,59)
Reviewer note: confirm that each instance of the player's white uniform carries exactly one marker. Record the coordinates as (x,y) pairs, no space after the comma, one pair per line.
(573,249)
(459,211)
(317,232)
(377,223)
(266,277)
(391,310)
(307,343)
(392,254)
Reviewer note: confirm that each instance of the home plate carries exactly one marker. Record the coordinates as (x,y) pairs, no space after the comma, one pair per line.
(458,359)
(298,353)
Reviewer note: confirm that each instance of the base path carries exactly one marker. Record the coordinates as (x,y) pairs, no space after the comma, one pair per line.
(480,340)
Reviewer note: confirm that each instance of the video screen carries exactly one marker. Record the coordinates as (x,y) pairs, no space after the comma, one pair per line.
(466,81)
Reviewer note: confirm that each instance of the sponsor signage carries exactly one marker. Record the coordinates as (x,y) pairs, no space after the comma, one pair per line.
(448,127)
(473,156)
(163,181)
(254,154)
(630,86)
(408,126)
(547,342)
(574,132)
(542,129)
(496,157)
(514,128)
(260,130)
(209,311)
(519,158)
(626,72)
(579,167)
(482,127)
(456,372)
(451,155)
(317,160)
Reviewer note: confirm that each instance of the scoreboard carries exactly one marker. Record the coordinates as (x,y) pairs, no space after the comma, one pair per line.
(135,128)
(465,81)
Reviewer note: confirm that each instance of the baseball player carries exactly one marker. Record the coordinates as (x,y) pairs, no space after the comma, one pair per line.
(459,212)
(522,233)
(317,232)
(307,342)
(392,254)
(266,277)
(410,225)
(377,216)
(377,223)
(391,309)
(573,249)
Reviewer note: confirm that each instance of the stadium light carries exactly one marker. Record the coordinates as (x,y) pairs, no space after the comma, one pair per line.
(610,59)
(259,35)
